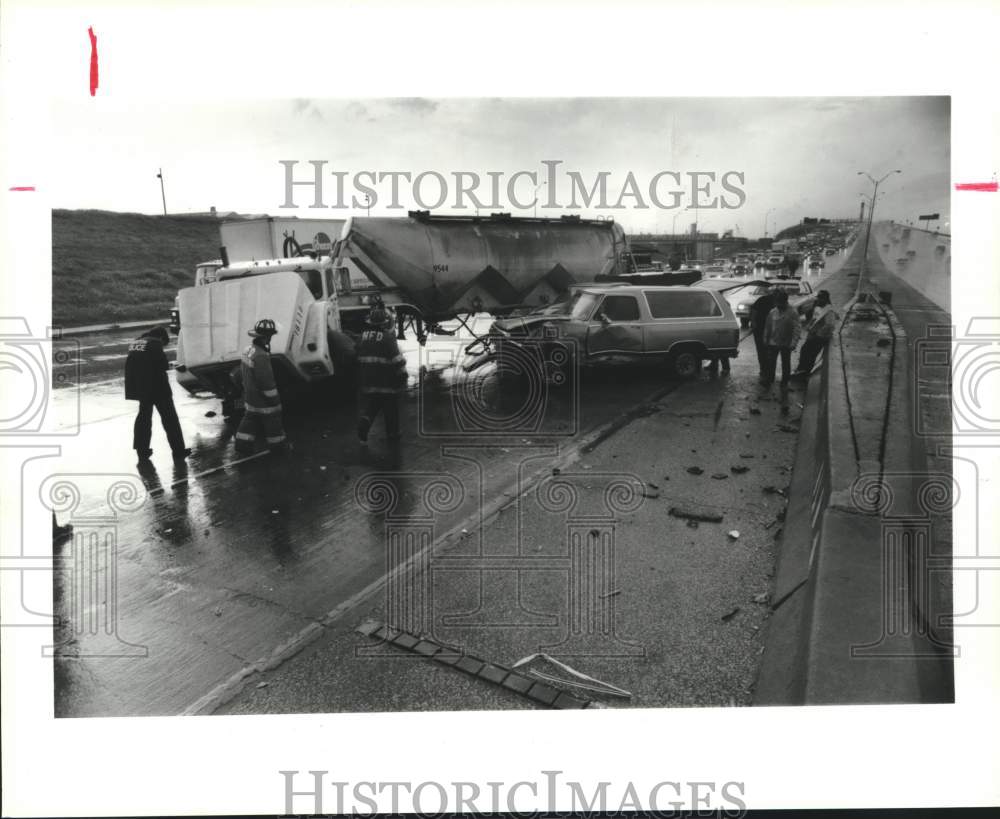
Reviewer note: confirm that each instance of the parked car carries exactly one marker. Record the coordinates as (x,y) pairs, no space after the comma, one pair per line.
(693,264)
(742,296)
(831,251)
(715,270)
(816,263)
(606,324)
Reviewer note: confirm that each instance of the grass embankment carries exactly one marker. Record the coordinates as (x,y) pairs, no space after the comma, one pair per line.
(113,267)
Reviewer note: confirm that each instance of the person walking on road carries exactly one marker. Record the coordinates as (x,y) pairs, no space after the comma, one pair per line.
(146,381)
(382,375)
(758,319)
(262,416)
(781,334)
(818,333)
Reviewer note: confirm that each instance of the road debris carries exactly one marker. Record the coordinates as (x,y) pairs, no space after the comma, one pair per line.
(763,598)
(611,594)
(729,615)
(525,684)
(695,470)
(720,476)
(733,534)
(739,470)
(773,490)
(580,680)
(692,514)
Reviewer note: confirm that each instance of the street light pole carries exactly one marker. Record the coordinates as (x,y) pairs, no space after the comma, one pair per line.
(769,212)
(871,214)
(163,194)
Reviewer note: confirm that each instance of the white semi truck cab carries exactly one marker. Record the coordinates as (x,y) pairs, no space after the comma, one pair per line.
(299,295)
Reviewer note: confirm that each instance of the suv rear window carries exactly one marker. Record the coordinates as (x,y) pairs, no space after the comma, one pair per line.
(620,308)
(682,304)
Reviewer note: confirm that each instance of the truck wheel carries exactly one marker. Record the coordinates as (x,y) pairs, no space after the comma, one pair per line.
(685,363)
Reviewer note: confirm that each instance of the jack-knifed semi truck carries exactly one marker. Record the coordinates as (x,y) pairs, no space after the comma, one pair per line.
(318,279)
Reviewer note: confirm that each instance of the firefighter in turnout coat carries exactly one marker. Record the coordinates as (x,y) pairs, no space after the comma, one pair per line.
(260,393)
(382,375)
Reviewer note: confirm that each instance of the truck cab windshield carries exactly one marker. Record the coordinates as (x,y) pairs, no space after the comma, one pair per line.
(314,281)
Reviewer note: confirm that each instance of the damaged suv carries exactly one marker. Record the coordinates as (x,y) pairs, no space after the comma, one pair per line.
(610,323)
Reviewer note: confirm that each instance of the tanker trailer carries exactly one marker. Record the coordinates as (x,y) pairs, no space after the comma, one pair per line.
(441,267)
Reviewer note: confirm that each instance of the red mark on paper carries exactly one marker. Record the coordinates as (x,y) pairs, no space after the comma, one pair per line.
(93,61)
(23,188)
(987,187)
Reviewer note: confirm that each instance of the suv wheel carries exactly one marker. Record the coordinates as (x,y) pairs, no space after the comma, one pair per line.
(685,363)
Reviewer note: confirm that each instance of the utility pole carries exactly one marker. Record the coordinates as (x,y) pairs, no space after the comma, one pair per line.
(163,194)
(871,213)
(765,221)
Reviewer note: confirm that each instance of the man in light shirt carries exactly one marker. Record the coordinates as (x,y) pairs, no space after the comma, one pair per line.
(818,333)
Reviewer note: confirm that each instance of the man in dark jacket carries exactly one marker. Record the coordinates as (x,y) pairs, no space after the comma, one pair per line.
(382,374)
(758,320)
(146,381)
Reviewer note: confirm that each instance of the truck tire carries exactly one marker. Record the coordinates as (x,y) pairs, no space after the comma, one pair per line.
(685,363)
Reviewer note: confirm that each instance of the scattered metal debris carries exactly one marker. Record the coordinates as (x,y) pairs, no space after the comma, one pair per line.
(739,470)
(773,490)
(611,594)
(691,514)
(495,673)
(695,470)
(581,680)
(733,534)
(729,615)
(763,597)
(719,476)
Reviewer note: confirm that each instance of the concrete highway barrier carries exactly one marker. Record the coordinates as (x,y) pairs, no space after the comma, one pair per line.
(850,607)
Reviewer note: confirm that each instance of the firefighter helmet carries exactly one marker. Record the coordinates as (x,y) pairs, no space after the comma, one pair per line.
(263,329)
(380,317)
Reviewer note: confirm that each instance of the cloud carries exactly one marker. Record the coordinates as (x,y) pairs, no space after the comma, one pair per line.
(420,106)
(306,108)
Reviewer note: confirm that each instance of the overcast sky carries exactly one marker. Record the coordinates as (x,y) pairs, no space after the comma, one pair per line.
(798,156)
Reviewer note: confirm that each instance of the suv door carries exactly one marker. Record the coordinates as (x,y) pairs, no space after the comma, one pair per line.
(620,333)
(689,315)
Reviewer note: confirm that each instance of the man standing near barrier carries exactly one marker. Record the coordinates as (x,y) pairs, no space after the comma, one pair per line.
(781,334)
(260,393)
(146,381)
(758,320)
(382,375)
(818,333)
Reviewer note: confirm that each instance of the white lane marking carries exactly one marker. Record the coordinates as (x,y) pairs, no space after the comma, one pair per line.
(211,471)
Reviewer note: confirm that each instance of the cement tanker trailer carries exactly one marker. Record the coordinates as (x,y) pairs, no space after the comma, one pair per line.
(440,267)
(428,268)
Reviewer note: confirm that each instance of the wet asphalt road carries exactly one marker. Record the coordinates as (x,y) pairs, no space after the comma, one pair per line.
(221,560)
